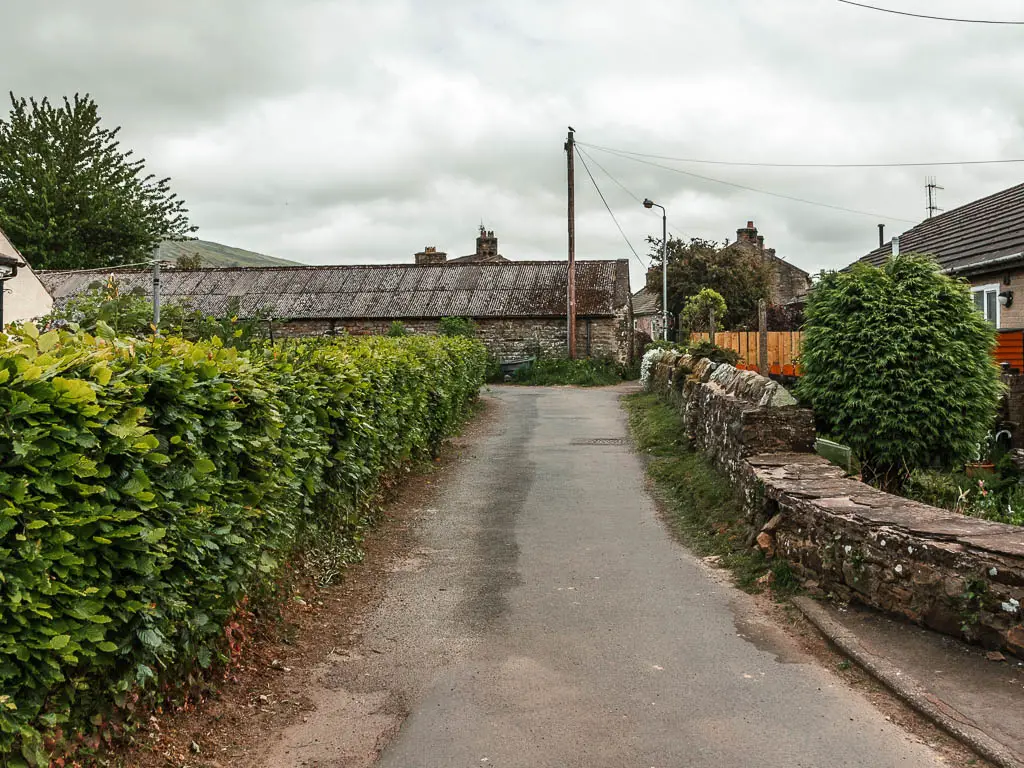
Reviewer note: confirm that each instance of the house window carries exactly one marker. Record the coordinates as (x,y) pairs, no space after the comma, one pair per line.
(986,299)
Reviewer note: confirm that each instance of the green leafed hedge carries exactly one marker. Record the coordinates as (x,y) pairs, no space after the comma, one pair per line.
(148,486)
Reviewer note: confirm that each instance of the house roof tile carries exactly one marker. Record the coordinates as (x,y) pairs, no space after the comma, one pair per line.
(963,238)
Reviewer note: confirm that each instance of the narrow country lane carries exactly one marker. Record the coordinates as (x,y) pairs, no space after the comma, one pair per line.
(548,619)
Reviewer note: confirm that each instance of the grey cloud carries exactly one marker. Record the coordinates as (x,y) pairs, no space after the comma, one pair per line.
(328,130)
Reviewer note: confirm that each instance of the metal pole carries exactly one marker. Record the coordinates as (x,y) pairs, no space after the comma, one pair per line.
(156,296)
(570,149)
(664,273)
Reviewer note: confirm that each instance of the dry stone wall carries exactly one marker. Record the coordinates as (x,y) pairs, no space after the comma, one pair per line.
(955,574)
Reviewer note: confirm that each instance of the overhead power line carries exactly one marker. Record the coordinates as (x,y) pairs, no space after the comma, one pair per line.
(755,189)
(933,18)
(623,187)
(113,268)
(800,165)
(608,207)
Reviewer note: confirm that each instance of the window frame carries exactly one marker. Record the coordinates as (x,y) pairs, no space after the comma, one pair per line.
(984,290)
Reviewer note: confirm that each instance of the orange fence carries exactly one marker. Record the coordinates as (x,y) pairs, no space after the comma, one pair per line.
(783,348)
(1010,348)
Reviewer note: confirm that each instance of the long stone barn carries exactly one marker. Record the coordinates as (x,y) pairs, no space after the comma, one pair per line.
(519,307)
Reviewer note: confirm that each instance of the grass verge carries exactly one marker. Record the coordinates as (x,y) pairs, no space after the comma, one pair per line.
(704,511)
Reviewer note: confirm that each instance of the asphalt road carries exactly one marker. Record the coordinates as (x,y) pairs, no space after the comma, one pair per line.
(549,619)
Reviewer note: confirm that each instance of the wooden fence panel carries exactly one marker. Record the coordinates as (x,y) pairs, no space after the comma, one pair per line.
(783,347)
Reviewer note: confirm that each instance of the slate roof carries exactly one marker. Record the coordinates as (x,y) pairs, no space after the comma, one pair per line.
(511,289)
(646,302)
(989,228)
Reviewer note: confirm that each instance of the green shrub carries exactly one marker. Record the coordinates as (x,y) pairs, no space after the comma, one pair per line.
(713,352)
(988,495)
(397,329)
(938,489)
(131,314)
(695,314)
(586,372)
(457,326)
(147,487)
(898,365)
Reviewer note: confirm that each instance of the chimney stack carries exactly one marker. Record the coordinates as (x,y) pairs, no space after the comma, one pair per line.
(430,256)
(881,235)
(747,234)
(486,244)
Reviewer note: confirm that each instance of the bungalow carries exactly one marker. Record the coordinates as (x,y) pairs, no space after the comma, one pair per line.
(519,307)
(22,295)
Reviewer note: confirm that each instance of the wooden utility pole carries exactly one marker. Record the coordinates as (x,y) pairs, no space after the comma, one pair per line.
(762,337)
(570,151)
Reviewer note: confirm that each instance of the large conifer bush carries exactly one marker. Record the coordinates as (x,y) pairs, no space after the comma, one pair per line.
(898,365)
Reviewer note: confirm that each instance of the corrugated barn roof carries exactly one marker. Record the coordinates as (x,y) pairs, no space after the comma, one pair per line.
(510,289)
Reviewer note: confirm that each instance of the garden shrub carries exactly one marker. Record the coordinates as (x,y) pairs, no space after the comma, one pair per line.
(585,372)
(457,326)
(148,486)
(898,365)
(131,314)
(713,352)
(695,314)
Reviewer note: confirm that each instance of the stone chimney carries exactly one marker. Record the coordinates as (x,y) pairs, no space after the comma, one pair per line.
(747,234)
(486,244)
(429,256)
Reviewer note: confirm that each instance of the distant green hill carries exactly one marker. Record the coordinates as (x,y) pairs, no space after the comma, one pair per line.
(217,255)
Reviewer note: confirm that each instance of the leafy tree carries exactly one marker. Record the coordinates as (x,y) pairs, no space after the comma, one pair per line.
(695,314)
(898,365)
(739,275)
(71,197)
(189,261)
(397,329)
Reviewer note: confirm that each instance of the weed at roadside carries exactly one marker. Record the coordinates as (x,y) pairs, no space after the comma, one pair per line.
(704,510)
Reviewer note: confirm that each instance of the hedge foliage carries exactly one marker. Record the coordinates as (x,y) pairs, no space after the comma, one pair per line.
(147,487)
(898,365)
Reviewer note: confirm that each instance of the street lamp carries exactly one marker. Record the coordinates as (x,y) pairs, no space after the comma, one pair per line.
(648,203)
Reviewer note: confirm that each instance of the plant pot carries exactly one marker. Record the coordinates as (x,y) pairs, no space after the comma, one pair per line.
(977,468)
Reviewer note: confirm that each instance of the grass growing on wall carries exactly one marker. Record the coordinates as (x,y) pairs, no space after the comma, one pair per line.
(703,509)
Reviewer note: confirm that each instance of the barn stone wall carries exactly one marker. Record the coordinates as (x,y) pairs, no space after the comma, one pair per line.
(504,337)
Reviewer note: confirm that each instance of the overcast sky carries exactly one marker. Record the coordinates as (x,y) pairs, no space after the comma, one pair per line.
(359,131)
